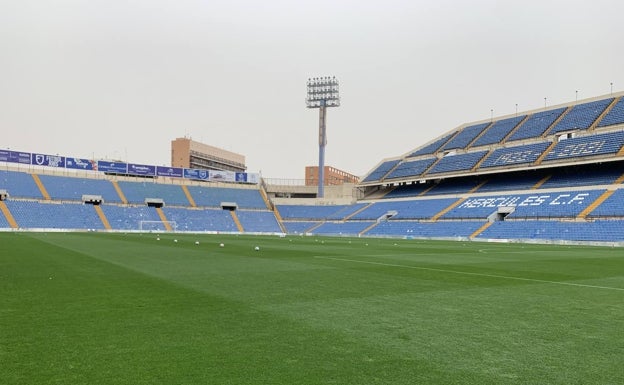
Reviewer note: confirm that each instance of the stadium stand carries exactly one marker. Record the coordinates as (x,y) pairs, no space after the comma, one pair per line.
(299,227)
(342,228)
(516,155)
(38,215)
(258,221)
(615,116)
(73,188)
(581,116)
(381,170)
(457,162)
(613,206)
(214,196)
(19,184)
(432,147)
(563,181)
(465,136)
(536,124)
(137,192)
(590,145)
(447,229)
(498,131)
(411,168)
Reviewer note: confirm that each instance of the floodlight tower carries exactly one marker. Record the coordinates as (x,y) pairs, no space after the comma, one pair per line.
(322,93)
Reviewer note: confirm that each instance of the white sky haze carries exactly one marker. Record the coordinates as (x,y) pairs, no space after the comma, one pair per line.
(121,79)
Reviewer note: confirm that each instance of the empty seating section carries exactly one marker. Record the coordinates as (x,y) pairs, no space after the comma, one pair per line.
(615,116)
(446,229)
(457,162)
(515,155)
(536,124)
(408,209)
(4,223)
(130,217)
(36,215)
(407,190)
(19,184)
(299,227)
(201,219)
(605,231)
(590,145)
(213,196)
(498,131)
(258,221)
(611,207)
(312,212)
(581,116)
(511,182)
(137,192)
(579,178)
(342,228)
(346,211)
(565,204)
(381,170)
(432,147)
(411,168)
(71,188)
(466,136)
(461,186)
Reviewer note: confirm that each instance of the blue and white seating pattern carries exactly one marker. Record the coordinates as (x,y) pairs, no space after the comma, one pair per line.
(590,145)
(258,221)
(342,228)
(611,207)
(137,192)
(214,196)
(407,209)
(528,153)
(446,229)
(37,215)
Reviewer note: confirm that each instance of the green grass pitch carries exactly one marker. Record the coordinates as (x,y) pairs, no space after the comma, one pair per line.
(89,308)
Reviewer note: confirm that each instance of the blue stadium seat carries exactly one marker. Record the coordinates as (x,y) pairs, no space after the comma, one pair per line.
(615,116)
(37,215)
(342,228)
(411,168)
(431,148)
(299,227)
(498,131)
(137,192)
(457,162)
(590,145)
(73,188)
(19,184)
(381,170)
(466,136)
(581,116)
(258,221)
(515,155)
(536,124)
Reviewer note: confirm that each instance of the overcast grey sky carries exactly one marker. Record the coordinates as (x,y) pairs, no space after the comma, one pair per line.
(121,79)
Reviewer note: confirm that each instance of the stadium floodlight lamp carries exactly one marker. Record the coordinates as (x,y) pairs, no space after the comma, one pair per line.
(322,93)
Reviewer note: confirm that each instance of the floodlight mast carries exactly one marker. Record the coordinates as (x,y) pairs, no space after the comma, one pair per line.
(322,93)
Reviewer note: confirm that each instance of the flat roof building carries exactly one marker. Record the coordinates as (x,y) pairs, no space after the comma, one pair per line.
(188,153)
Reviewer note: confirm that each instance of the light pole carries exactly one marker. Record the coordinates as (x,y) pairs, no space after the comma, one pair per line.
(322,93)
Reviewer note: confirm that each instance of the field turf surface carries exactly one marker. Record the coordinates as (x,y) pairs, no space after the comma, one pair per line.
(88,308)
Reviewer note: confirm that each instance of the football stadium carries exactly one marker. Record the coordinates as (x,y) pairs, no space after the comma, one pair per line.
(491,254)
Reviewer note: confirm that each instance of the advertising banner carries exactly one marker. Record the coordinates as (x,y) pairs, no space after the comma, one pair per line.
(80,164)
(221,176)
(141,169)
(48,160)
(192,173)
(14,156)
(113,167)
(175,172)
